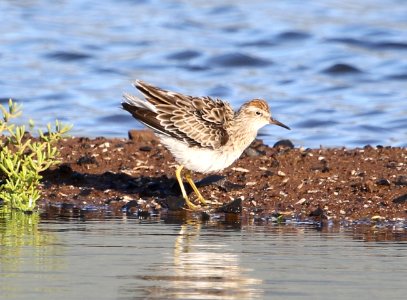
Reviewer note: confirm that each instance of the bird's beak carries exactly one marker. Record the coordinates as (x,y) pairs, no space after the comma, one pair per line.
(275,122)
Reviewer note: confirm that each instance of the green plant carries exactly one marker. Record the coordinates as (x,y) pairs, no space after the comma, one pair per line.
(23,158)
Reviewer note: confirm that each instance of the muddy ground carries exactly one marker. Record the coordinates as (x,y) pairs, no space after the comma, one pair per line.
(137,176)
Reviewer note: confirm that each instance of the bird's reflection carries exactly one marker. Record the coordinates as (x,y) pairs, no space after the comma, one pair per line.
(204,269)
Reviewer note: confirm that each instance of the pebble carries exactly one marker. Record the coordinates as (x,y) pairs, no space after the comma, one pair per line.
(301,201)
(401,180)
(86,159)
(283,194)
(400,199)
(234,207)
(251,152)
(104,145)
(145,148)
(383,181)
(239,169)
(284,144)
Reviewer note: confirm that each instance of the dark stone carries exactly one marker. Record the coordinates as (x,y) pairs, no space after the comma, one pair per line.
(401,180)
(205,216)
(383,181)
(131,207)
(284,144)
(400,199)
(235,207)
(86,160)
(267,173)
(173,203)
(145,148)
(143,213)
(318,212)
(85,192)
(67,206)
(323,167)
(250,152)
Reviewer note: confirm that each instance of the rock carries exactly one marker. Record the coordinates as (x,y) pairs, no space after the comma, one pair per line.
(284,144)
(173,203)
(400,199)
(239,169)
(318,212)
(145,148)
(401,180)
(377,218)
(67,206)
(267,173)
(130,207)
(250,152)
(234,207)
(383,181)
(86,160)
(301,201)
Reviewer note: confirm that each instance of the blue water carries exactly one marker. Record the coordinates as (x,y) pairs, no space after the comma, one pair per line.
(158,259)
(334,71)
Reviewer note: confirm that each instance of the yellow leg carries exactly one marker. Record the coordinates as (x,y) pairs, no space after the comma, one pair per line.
(181,185)
(192,184)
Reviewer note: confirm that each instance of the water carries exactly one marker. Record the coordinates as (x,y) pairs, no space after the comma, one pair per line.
(334,71)
(122,258)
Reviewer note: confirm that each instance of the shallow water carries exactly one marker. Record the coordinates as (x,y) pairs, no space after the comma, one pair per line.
(125,258)
(334,71)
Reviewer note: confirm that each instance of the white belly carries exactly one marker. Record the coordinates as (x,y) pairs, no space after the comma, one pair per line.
(201,160)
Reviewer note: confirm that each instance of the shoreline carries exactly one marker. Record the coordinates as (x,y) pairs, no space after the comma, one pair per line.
(137,175)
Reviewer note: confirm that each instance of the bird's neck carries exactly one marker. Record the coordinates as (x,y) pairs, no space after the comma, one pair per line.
(243,133)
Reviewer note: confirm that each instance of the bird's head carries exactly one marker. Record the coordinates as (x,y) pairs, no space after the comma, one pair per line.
(257,114)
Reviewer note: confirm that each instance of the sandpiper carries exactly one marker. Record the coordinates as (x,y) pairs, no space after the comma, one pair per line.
(204,135)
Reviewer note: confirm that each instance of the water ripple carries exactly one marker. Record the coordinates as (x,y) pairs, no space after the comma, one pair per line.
(238,60)
(323,65)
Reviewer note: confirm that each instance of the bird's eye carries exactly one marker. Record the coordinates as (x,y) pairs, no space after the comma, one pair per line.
(258,113)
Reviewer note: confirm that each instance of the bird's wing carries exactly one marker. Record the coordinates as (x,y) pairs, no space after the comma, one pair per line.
(198,121)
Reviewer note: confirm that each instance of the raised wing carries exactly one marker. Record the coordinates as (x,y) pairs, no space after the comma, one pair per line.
(198,121)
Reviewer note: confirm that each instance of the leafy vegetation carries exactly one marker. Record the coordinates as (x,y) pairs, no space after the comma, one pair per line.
(23,158)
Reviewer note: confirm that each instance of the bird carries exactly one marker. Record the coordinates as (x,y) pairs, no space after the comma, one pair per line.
(204,135)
